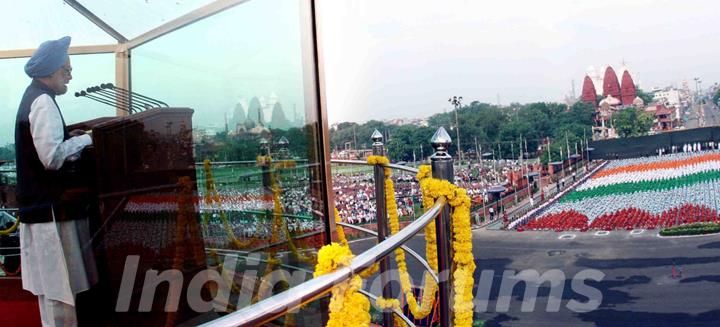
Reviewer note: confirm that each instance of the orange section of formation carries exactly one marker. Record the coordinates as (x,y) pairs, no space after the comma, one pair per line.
(658,165)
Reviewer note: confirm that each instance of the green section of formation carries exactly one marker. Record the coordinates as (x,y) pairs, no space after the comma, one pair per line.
(691,229)
(644,186)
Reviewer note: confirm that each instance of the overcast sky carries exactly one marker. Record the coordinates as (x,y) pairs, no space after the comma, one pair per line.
(401,58)
(382,58)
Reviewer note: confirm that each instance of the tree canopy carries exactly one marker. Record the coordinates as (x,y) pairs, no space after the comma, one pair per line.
(632,122)
(646,97)
(483,126)
(7,152)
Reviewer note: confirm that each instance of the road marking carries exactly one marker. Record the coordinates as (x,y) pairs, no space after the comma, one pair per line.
(602,233)
(566,237)
(687,236)
(637,231)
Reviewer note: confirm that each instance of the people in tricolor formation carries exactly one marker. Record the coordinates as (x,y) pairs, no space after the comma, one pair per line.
(655,201)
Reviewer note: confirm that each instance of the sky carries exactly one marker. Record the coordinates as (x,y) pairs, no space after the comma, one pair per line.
(381,59)
(404,59)
(251,50)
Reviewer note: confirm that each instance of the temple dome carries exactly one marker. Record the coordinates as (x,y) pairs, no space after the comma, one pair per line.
(589,94)
(638,102)
(610,100)
(627,88)
(611,85)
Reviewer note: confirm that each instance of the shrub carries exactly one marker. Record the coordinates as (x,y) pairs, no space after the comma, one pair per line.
(691,229)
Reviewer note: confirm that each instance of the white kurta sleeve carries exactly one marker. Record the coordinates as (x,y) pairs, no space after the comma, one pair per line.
(47,133)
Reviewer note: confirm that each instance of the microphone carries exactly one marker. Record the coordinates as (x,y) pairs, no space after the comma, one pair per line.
(101,100)
(109,94)
(153,102)
(114,97)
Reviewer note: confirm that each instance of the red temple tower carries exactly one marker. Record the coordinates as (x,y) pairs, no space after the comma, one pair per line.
(589,94)
(627,89)
(611,86)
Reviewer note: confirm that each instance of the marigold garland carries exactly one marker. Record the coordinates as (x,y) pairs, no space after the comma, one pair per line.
(349,308)
(263,160)
(11,229)
(383,303)
(390,304)
(423,309)
(212,198)
(343,241)
(281,223)
(463,258)
(278,224)
(340,230)
(6,232)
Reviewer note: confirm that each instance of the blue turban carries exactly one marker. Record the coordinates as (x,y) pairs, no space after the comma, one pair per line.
(48,58)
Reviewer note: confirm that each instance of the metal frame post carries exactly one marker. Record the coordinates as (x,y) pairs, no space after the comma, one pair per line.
(266,177)
(442,168)
(382,226)
(283,151)
(265,151)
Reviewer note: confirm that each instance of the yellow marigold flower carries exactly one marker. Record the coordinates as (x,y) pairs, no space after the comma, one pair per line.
(384,303)
(331,257)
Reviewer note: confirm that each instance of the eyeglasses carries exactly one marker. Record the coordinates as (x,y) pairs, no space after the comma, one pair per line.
(67,71)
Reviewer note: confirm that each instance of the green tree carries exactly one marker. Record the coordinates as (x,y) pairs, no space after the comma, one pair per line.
(298,139)
(579,113)
(716,97)
(400,146)
(632,122)
(646,97)
(7,152)
(489,124)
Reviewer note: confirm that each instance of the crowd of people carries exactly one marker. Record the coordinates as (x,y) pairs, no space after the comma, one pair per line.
(355,196)
(355,191)
(247,211)
(478,176)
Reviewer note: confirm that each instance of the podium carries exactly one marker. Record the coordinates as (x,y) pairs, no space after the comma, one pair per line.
(145,221)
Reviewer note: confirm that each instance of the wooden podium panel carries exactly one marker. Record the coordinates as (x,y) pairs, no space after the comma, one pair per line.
(136,160)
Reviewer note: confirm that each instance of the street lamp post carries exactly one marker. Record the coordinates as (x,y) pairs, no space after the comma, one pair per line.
(457,102)
(697,89)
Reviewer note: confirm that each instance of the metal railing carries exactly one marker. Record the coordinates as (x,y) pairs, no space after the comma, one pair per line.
(276,306)
(271,308)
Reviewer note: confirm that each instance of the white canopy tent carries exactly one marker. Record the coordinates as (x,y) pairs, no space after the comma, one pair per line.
(103,26)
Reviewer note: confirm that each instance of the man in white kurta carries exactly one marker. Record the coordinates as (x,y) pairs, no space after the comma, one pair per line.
(56,255)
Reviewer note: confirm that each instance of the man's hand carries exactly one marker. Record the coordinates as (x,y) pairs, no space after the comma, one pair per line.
(76,132)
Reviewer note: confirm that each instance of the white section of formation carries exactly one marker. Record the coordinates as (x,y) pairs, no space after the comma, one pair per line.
(654,202)
(650,175)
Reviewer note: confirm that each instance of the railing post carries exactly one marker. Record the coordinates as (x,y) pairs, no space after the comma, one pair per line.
(283,152)
(382,226)
(264,166)
(266,178)
(442,168)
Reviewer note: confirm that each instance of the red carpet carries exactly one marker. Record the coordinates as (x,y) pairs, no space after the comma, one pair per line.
(18,308)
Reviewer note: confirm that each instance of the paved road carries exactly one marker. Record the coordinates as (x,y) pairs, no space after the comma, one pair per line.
(637,288)
(711,115)
(703,116)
